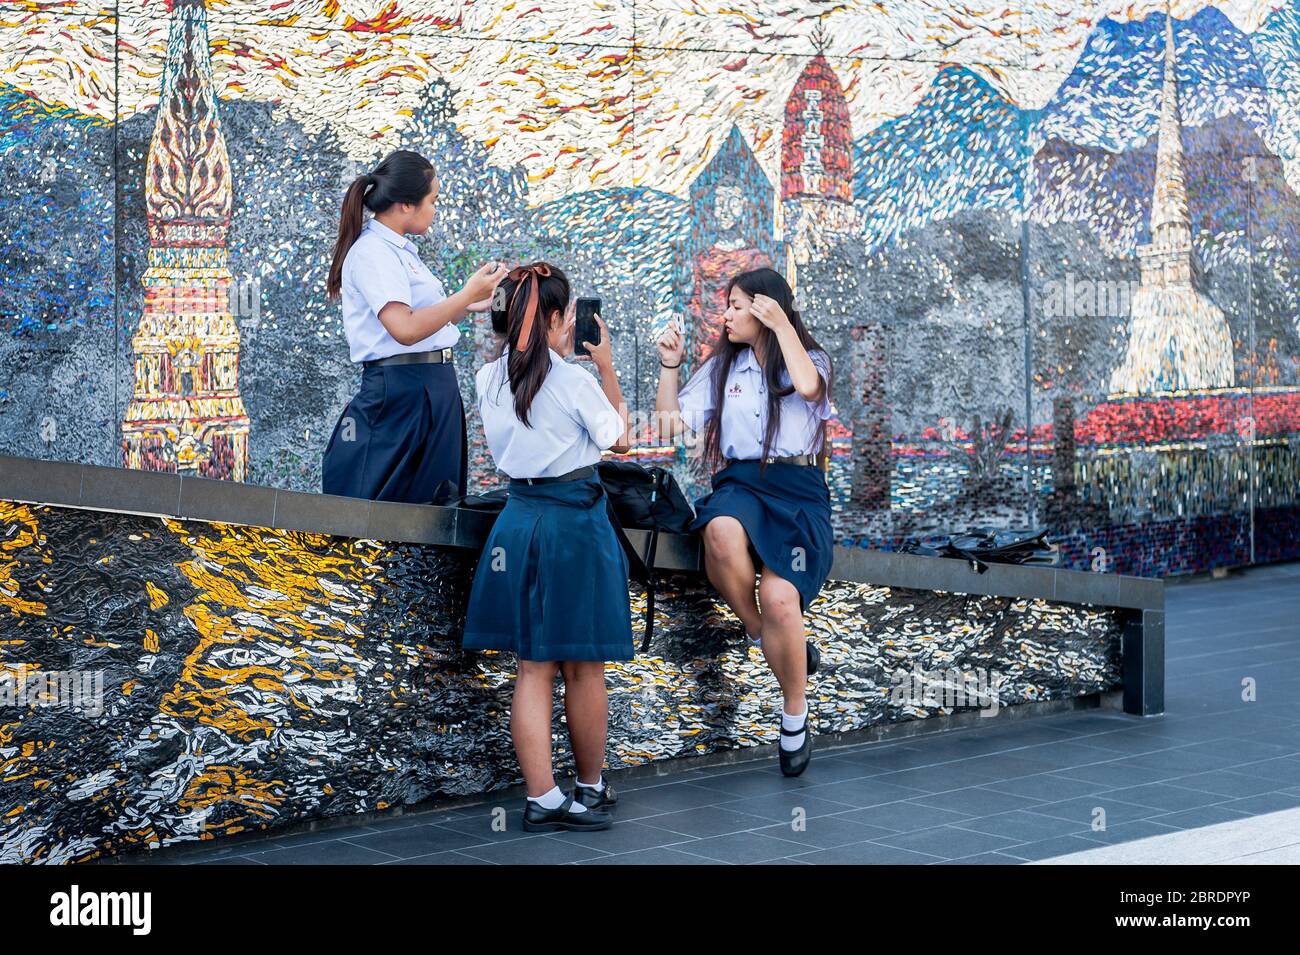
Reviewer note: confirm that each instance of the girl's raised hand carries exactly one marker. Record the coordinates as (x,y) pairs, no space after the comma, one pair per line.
(672,344)
(570,326)
(483,283)
(767,311)
(602,355)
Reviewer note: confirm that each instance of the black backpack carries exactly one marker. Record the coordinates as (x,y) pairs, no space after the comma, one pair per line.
(984,545)
(491,501)
(645,498)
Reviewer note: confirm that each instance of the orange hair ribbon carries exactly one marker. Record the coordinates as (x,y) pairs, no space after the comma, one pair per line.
(532,274)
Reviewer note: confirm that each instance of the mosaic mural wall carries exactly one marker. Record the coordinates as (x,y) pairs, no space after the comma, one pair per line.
(247,678)
(1054,249)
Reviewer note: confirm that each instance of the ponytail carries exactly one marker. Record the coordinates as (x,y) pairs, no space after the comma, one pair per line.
(403,176)
(350,222)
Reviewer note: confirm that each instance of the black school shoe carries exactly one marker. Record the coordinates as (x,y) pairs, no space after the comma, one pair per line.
(604,800)
(537,819)
(795,761)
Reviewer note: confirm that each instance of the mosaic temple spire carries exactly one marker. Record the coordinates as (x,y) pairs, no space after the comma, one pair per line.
(1170,222)
(1179,339)
(186,414)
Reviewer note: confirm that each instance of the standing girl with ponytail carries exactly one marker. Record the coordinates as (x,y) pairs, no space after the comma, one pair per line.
(761,399)
(402,436)
(551,583)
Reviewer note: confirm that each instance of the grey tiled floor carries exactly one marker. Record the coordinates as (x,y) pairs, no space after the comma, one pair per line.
(995,794)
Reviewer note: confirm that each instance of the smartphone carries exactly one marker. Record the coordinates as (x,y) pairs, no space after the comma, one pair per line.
(585,327)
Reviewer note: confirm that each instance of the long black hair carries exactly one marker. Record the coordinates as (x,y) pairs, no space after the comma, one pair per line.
(403,176)
(529,296)
(770,283)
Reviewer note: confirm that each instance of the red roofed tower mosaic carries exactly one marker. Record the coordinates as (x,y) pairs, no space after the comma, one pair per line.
(816,165)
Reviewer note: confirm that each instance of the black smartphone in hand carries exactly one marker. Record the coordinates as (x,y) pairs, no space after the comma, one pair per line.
(585,327)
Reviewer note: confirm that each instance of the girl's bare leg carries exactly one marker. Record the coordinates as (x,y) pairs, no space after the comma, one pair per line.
(586,706)
(731,570)
(530,723)
(784,640)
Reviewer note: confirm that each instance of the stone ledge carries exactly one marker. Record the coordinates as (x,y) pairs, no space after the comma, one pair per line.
(129,491)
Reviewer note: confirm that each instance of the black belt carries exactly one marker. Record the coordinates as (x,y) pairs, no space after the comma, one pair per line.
(808,459)
(441,356)
(577,474)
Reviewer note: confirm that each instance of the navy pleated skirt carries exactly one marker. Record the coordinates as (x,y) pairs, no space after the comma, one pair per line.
(787,515)
(401,437)
(552,581)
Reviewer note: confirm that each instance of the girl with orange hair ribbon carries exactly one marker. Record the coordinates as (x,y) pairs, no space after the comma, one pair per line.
(551,584)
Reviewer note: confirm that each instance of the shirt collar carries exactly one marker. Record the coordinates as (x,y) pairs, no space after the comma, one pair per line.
(746,361)
(401,241)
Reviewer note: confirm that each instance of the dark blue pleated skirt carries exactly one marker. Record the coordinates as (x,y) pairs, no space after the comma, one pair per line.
(787,515)
(552,581)
(400,438)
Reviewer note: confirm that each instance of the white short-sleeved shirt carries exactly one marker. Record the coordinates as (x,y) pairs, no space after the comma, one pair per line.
(569,422)
(744,409)
(381,267)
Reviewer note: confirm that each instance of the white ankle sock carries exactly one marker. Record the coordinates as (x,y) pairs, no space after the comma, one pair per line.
(794,722)
(599,785)
(555,799)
